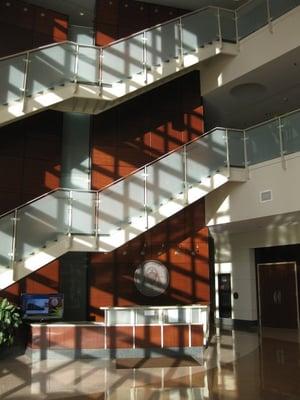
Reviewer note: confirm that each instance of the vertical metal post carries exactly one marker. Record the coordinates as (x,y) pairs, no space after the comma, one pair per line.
(14,241)
(269,16)
(145,199)
(101,55)
(97,202)
(185,184)
(25,80)
(76,68)
(145,57)
(219,28)
(237,29)
(283,162)
(227,153)
(181,55)
(70,214)
(245,154)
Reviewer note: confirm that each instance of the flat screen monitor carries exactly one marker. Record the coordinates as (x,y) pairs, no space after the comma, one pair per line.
(42,306)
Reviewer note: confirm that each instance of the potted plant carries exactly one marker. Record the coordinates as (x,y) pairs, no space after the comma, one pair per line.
(10,320)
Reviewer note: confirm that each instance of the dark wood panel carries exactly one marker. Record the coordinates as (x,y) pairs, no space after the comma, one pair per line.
(147,336)
(119,337)
(176,336)
(197,335)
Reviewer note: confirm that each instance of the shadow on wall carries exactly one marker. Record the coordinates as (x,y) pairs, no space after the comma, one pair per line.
(180,243)
(143,129)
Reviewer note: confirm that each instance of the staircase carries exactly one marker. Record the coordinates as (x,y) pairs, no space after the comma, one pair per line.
(63,220)
(71,77)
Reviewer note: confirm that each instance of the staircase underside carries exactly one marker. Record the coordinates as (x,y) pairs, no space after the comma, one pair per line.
(93,99)
(112,240)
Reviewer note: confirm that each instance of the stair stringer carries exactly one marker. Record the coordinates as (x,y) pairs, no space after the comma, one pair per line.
(114,239)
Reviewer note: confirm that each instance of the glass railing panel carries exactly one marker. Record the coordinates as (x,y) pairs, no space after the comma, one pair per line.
(236,148)
(120,317)
(177,316)
(50,67)
(122,60)
(162,44)
(12,72)
(263,142)
(6,239)
(122,202)
(280,7)
(165,180)
(228,26)
(83,212)
(41,221)
(88,64)
(147,316)
(206,156)
(251,17)
(196,315)
(199,29)
(290,128)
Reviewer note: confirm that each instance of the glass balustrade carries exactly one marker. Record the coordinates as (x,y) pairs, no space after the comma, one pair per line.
(50,67)
(123,203)
(123,59)
(206,156)
(228,26)
(83,212)
(163,44)
(290,129)
(199,29)
(57,65)
(251,17)
(88,64)
(236,148)
(165,180)
(6,239)
(131,200)
(263,142)
(280,7)
(12,76)
(41,221)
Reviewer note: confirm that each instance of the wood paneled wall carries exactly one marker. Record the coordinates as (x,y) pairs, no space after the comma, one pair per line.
(25,26)
(141,130)
(30,158)
(115,19)
(180,243)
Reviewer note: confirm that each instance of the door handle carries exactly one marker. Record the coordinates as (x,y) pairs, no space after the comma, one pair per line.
(279,296)
(275,297)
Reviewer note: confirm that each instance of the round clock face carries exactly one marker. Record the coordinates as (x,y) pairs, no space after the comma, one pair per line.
(151,278)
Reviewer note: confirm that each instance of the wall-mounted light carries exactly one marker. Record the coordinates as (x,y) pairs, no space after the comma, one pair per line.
(81,13)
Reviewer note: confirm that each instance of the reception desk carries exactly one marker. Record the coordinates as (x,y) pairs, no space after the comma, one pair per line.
(126,332)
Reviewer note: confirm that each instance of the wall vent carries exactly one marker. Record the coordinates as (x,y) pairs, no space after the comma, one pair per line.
(266,195)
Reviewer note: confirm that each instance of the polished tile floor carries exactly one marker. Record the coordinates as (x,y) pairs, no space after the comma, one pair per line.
(238,365)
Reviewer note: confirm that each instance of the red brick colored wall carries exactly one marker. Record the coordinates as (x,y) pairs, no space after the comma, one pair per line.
(30,158)
(141,130)
(115,19)
(25,26)
(180,243)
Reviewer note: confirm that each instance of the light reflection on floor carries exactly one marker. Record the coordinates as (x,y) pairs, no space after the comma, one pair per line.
(239,365)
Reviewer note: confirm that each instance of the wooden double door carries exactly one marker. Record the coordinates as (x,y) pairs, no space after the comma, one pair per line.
(278,295)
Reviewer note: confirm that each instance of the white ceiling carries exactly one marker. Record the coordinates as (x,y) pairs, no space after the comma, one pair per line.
(279,93)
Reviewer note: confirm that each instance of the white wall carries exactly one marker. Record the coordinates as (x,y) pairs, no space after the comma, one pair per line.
(234,253)
(240,223)
(241,201)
